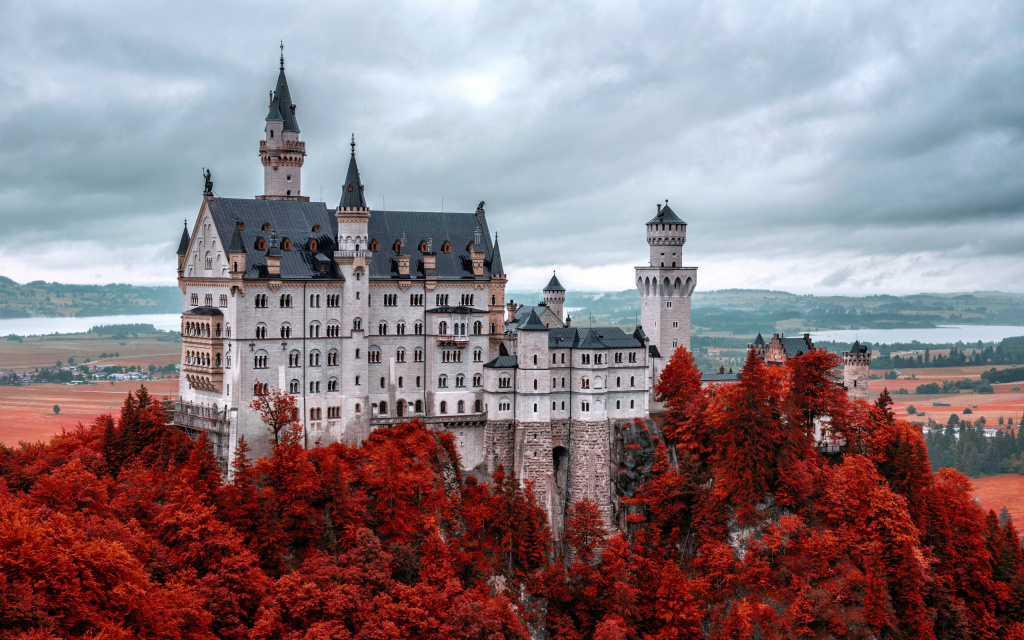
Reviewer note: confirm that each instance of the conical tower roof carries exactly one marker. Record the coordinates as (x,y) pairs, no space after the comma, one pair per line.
(352,191)
(281,107)
(533,323)
(236,245)
(759,341)
(496,267)
(183,244)
(554,284)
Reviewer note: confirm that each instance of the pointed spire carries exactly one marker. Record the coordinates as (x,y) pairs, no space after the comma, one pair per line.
(183,245)
(554,284)
(496,267)
(352,191)
(236,245)
(281,107)
(533,323)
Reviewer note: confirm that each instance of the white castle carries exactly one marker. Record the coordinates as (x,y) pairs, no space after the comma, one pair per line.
(371,318)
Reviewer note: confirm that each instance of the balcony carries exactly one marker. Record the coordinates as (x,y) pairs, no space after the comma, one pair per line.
(194,419)
(452,341)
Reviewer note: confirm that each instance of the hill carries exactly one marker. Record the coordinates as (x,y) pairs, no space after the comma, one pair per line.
(54,300)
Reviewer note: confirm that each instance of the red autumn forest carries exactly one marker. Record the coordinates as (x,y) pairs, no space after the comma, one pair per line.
(741,528)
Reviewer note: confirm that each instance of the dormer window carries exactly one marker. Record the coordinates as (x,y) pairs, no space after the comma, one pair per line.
(266,226)
(373,246)
(261,244)
(316,228)
(271,133)
(423,247)
(398,246)
(286,245)
(312,245)
(446,247)
(241,226)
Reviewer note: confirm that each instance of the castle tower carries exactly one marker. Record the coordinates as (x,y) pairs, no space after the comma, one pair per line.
(281,152)
(353,258)
(855,371)
(665,287)
(554,297)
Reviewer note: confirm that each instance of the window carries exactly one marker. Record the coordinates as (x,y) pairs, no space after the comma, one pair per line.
(563,383)
(461,407)
(505,382)
(418,328)
(416,300)
(466,300)
(493,328)
(442,328)
(585,406)
(294,358)
(675,324)
(442,382)
(223,300)
(260,361)
(563,405)
(631,402)
(632,357)
(332,358)
(334,300)
(618,381)
(208,300)
(446,247)
(209,261)
(357,324)
(585,383)
(563,358)
(382,382)
(618,404)
(313,245)
(390,299)
(668,304)
(314,330)
(382,328)
(423,247)
(444,407)
(261,244)
(460,380)
(286,331)
(618,357)
(478,355)
(260,389)
(504,405)
(478,406)
(266,226)
(286,300)
(383,408)
(417,355)
(314,301)
(314,386)
(333,412)
(553,405)
(419,406)
(359,407)
(535,407)
(261,331)
(314,359)
(493,300)
(357,384)
(261,301)
(632,382)
(400,329)
(477,380)
(332,384)
(535,359)
(417,382)
(401,381)
(195,300)
(374,355)
(441,299)
(316,228)
(534,385)
(373,245)
(334,330)
(585,358)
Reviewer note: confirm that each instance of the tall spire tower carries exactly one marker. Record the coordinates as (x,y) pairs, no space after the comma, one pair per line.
(665,287)
(281,151)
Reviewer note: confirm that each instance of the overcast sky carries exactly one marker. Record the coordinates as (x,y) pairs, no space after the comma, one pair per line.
(848,147)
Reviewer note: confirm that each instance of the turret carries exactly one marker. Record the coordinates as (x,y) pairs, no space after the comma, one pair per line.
(236,253)
(554,296)
(855,371)
(281,151)
(183,250)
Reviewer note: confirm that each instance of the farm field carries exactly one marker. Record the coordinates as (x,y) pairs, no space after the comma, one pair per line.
(1004,403)
(995,492)
(45,351)
(26,412)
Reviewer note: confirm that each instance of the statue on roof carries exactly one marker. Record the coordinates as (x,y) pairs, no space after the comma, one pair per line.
(208,186)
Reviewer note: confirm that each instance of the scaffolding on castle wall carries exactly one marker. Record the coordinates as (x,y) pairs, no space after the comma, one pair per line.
(194,419)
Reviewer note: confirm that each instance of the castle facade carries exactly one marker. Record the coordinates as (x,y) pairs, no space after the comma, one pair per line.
(370,318)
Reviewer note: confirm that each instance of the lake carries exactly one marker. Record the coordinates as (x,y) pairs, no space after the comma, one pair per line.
(966,333)
(46,326)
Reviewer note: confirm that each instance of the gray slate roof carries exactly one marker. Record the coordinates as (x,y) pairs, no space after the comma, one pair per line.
(794,346)
(457,228)
(533,323)
(352,190)
(294,219)
(496,259)
(594,338)
(503,362)
(666,216)
(858,347)
(759,340)
(204,311)
(719,377)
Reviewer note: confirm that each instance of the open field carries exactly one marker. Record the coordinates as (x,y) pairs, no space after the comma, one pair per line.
(45,351)
(26,412)
(995,492)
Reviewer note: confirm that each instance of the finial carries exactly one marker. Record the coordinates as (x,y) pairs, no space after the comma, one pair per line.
(353,143)
(282,55)
(186,223)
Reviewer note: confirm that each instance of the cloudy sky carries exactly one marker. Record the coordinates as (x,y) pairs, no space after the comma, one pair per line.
(816,147)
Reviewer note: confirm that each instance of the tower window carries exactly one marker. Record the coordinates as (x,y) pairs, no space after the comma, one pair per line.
(288,177)
(271,133)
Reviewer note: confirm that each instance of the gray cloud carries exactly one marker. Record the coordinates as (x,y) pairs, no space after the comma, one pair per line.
(808,147)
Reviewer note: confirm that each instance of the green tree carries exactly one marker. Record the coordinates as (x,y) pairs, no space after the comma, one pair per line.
(56,408)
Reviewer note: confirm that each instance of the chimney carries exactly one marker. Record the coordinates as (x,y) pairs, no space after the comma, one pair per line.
(511,309)
(430,260)
(403,259)
(273,257)
(659,208)
(478,254)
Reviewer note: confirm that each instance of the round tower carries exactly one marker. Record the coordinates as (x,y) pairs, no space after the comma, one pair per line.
(665,287)
(855,371)
(554,297)
(281,151)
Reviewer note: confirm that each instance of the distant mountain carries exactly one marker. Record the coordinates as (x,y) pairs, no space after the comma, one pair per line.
(54,300)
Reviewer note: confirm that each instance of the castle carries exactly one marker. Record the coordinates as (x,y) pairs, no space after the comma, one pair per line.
(370,318)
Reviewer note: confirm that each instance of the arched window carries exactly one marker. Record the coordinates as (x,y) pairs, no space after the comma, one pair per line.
(444,407)
(478,406)
(505,382)
(261,331)
(314,330)
(209,260)
(535,359)
(442,382)
(632,381)
(294,359)
(631,402)
(332,358)
(314,358)
(286,331)
(400,355)
(418,328)
(478,328)
(477,380)
(618,404)
(357,324)
(383,408)
(400,329)
(460,380)
(359,408)
(332,384)
(461,406)
(419,406)
(293,386)
(442,328)
(585,383)
(478,355)
(382,328)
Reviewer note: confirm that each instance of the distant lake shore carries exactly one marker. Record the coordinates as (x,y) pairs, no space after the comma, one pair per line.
(47,326)
(966,333)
